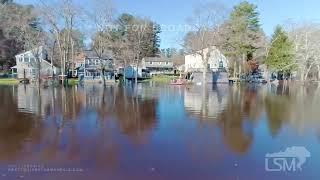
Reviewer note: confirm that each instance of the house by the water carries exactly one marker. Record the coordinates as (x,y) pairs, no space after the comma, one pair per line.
(149,66)
(217,61)
(130,72)
(217,66)
(29,62)
(158,65)
(94,67)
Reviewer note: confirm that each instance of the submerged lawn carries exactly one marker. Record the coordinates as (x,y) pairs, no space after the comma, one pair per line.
(162,78)
(8,81)
(73,81)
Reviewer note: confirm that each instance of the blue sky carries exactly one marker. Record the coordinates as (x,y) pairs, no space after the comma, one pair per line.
(175,12)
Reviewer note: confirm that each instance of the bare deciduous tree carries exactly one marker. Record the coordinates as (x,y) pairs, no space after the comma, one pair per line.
(102,42)
(306,39)
(206,23)
(140,35)
(61,20)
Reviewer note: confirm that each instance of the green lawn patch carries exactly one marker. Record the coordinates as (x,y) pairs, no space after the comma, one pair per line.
(73,82)
(8,81)
(162,78)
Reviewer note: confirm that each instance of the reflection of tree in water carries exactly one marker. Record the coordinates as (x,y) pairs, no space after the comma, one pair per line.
(236,128)
(134,115)
(277,111)
(252,103)
(234,109)
(67,104)
(55,133)
(292,105)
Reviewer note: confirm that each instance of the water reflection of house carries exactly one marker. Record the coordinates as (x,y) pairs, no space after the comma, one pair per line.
(93,95)
(134,116)
(207,103)
(31,101)
(49,101)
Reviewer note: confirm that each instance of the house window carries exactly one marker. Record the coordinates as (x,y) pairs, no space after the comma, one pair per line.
(29,58)
(220,64)
(167,63)
(33,71)
(208,66)
(150,62)
(20,59)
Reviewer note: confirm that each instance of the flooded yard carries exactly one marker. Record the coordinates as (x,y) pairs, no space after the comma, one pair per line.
(159,132)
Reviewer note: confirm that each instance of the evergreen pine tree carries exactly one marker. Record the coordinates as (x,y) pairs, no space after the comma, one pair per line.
(280,56)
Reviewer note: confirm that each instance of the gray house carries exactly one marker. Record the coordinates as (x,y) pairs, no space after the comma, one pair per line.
(157,65)
(95,66)
(27,65)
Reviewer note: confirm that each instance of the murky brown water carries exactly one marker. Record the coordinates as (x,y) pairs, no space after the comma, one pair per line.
(156,132)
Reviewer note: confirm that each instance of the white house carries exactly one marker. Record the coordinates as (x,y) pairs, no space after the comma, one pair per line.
(27,64)
(193,62)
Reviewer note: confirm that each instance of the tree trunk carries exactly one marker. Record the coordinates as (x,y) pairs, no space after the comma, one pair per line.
(124,73)
(137,69)
(204,75)
(205,60)
(39,73)
(72,58)
(239,71)
(136,75)
(103,77)
(307,73)
(243,63)
(234,69)
(318,66)
(302,75)
(52,61)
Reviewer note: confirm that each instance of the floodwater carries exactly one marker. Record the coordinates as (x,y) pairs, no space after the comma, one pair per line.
(160,132)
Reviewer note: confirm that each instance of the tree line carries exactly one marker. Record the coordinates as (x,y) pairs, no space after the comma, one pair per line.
(63,27)
(291,50)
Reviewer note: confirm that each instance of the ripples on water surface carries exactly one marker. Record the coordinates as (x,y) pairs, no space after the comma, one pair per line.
(157,132)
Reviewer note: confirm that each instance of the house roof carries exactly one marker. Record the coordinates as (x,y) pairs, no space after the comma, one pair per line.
(79,57)
(38,49)
(205,50)
(157,59)
(92,54)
